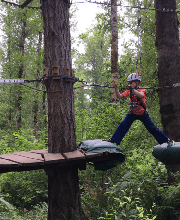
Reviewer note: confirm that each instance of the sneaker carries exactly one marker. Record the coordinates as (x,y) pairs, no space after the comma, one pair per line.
(170,143)
(110,140)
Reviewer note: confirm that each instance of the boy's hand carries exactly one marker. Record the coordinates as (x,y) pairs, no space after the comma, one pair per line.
(129,86)
(114,84)
(118,95)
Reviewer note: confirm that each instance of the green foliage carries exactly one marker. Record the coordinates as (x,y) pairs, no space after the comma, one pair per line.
(25,189)
(13,60)
(38,212)
(24,140)
(91,65)
(122,194)
(98,122)
(8,211)
(137,189)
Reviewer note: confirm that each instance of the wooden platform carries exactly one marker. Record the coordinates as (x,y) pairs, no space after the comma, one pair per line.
(41,159)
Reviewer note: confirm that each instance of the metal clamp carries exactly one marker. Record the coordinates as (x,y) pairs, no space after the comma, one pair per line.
(176,84)
(133,104)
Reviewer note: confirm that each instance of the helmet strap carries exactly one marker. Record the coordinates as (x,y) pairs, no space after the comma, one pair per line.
(137,86)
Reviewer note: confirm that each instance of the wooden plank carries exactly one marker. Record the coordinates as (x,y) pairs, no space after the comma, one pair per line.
(53,158)
(22,161)
(42,151)
(74,155)
(7,163)
(38,158)
(30,155)
(26,3)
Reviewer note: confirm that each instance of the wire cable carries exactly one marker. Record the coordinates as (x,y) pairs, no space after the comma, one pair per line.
(74,79)
(129,6)
(100,3)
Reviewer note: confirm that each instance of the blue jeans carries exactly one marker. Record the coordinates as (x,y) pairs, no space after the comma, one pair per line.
(124,126)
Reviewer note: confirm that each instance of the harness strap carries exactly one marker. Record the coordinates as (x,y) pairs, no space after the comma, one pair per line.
(138,100)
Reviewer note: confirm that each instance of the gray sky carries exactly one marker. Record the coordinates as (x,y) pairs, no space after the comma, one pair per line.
(86,17)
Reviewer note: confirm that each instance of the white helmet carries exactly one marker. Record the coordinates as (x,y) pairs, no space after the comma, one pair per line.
(133,77)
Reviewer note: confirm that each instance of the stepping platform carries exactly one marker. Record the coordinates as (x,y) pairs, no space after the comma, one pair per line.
(41,159)
(167,155)
(106,147)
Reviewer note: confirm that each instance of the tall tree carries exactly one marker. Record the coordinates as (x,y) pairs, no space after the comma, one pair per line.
(64,193)
(20,74)
(20,29)
(91,64)
(114,46)
(167,42)
(37,86)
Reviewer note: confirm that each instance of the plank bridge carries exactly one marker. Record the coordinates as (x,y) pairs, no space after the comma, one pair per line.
(41,159)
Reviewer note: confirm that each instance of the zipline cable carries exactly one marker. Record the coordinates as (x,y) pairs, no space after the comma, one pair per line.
(18,80)
(22,81)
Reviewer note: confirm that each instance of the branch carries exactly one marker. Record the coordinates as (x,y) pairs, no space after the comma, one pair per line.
(26,3)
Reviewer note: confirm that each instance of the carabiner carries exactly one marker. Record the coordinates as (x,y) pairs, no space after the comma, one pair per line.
(139,74)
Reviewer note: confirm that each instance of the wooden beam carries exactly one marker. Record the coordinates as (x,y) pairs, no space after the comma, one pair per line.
(26,3)
(41,159)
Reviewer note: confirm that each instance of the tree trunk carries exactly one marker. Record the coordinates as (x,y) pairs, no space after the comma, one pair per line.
(114,47)
(37,86)
(44,109)
(167,42)
(19,98)
(64,193)
(10,89)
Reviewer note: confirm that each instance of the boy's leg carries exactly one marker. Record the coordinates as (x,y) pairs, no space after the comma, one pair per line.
(156,132)
(123,128)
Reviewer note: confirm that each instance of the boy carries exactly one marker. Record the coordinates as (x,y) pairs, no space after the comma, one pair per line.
(137,112)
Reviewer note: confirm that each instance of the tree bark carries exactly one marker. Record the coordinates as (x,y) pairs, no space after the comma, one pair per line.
(64,193)
(114,47)
(19,98)
(167,42)
(44,109)
(10,89)
(37,86)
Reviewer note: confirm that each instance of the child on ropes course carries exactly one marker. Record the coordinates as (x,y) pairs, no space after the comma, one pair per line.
(137,112)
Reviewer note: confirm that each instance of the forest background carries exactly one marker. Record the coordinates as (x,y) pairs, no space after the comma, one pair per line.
(137,189)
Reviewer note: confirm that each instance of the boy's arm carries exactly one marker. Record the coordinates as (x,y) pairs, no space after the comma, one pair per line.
(138,94)
(118,95)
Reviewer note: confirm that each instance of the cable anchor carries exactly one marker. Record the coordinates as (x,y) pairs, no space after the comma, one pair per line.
(176,84)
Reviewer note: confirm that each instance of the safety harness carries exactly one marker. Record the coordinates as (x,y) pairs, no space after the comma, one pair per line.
(135,104)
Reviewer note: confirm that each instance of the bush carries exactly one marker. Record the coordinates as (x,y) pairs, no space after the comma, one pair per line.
(25,189)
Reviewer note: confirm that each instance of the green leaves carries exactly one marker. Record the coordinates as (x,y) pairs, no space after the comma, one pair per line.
(24,140)
(136,189)
(97,122)
(26,189)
